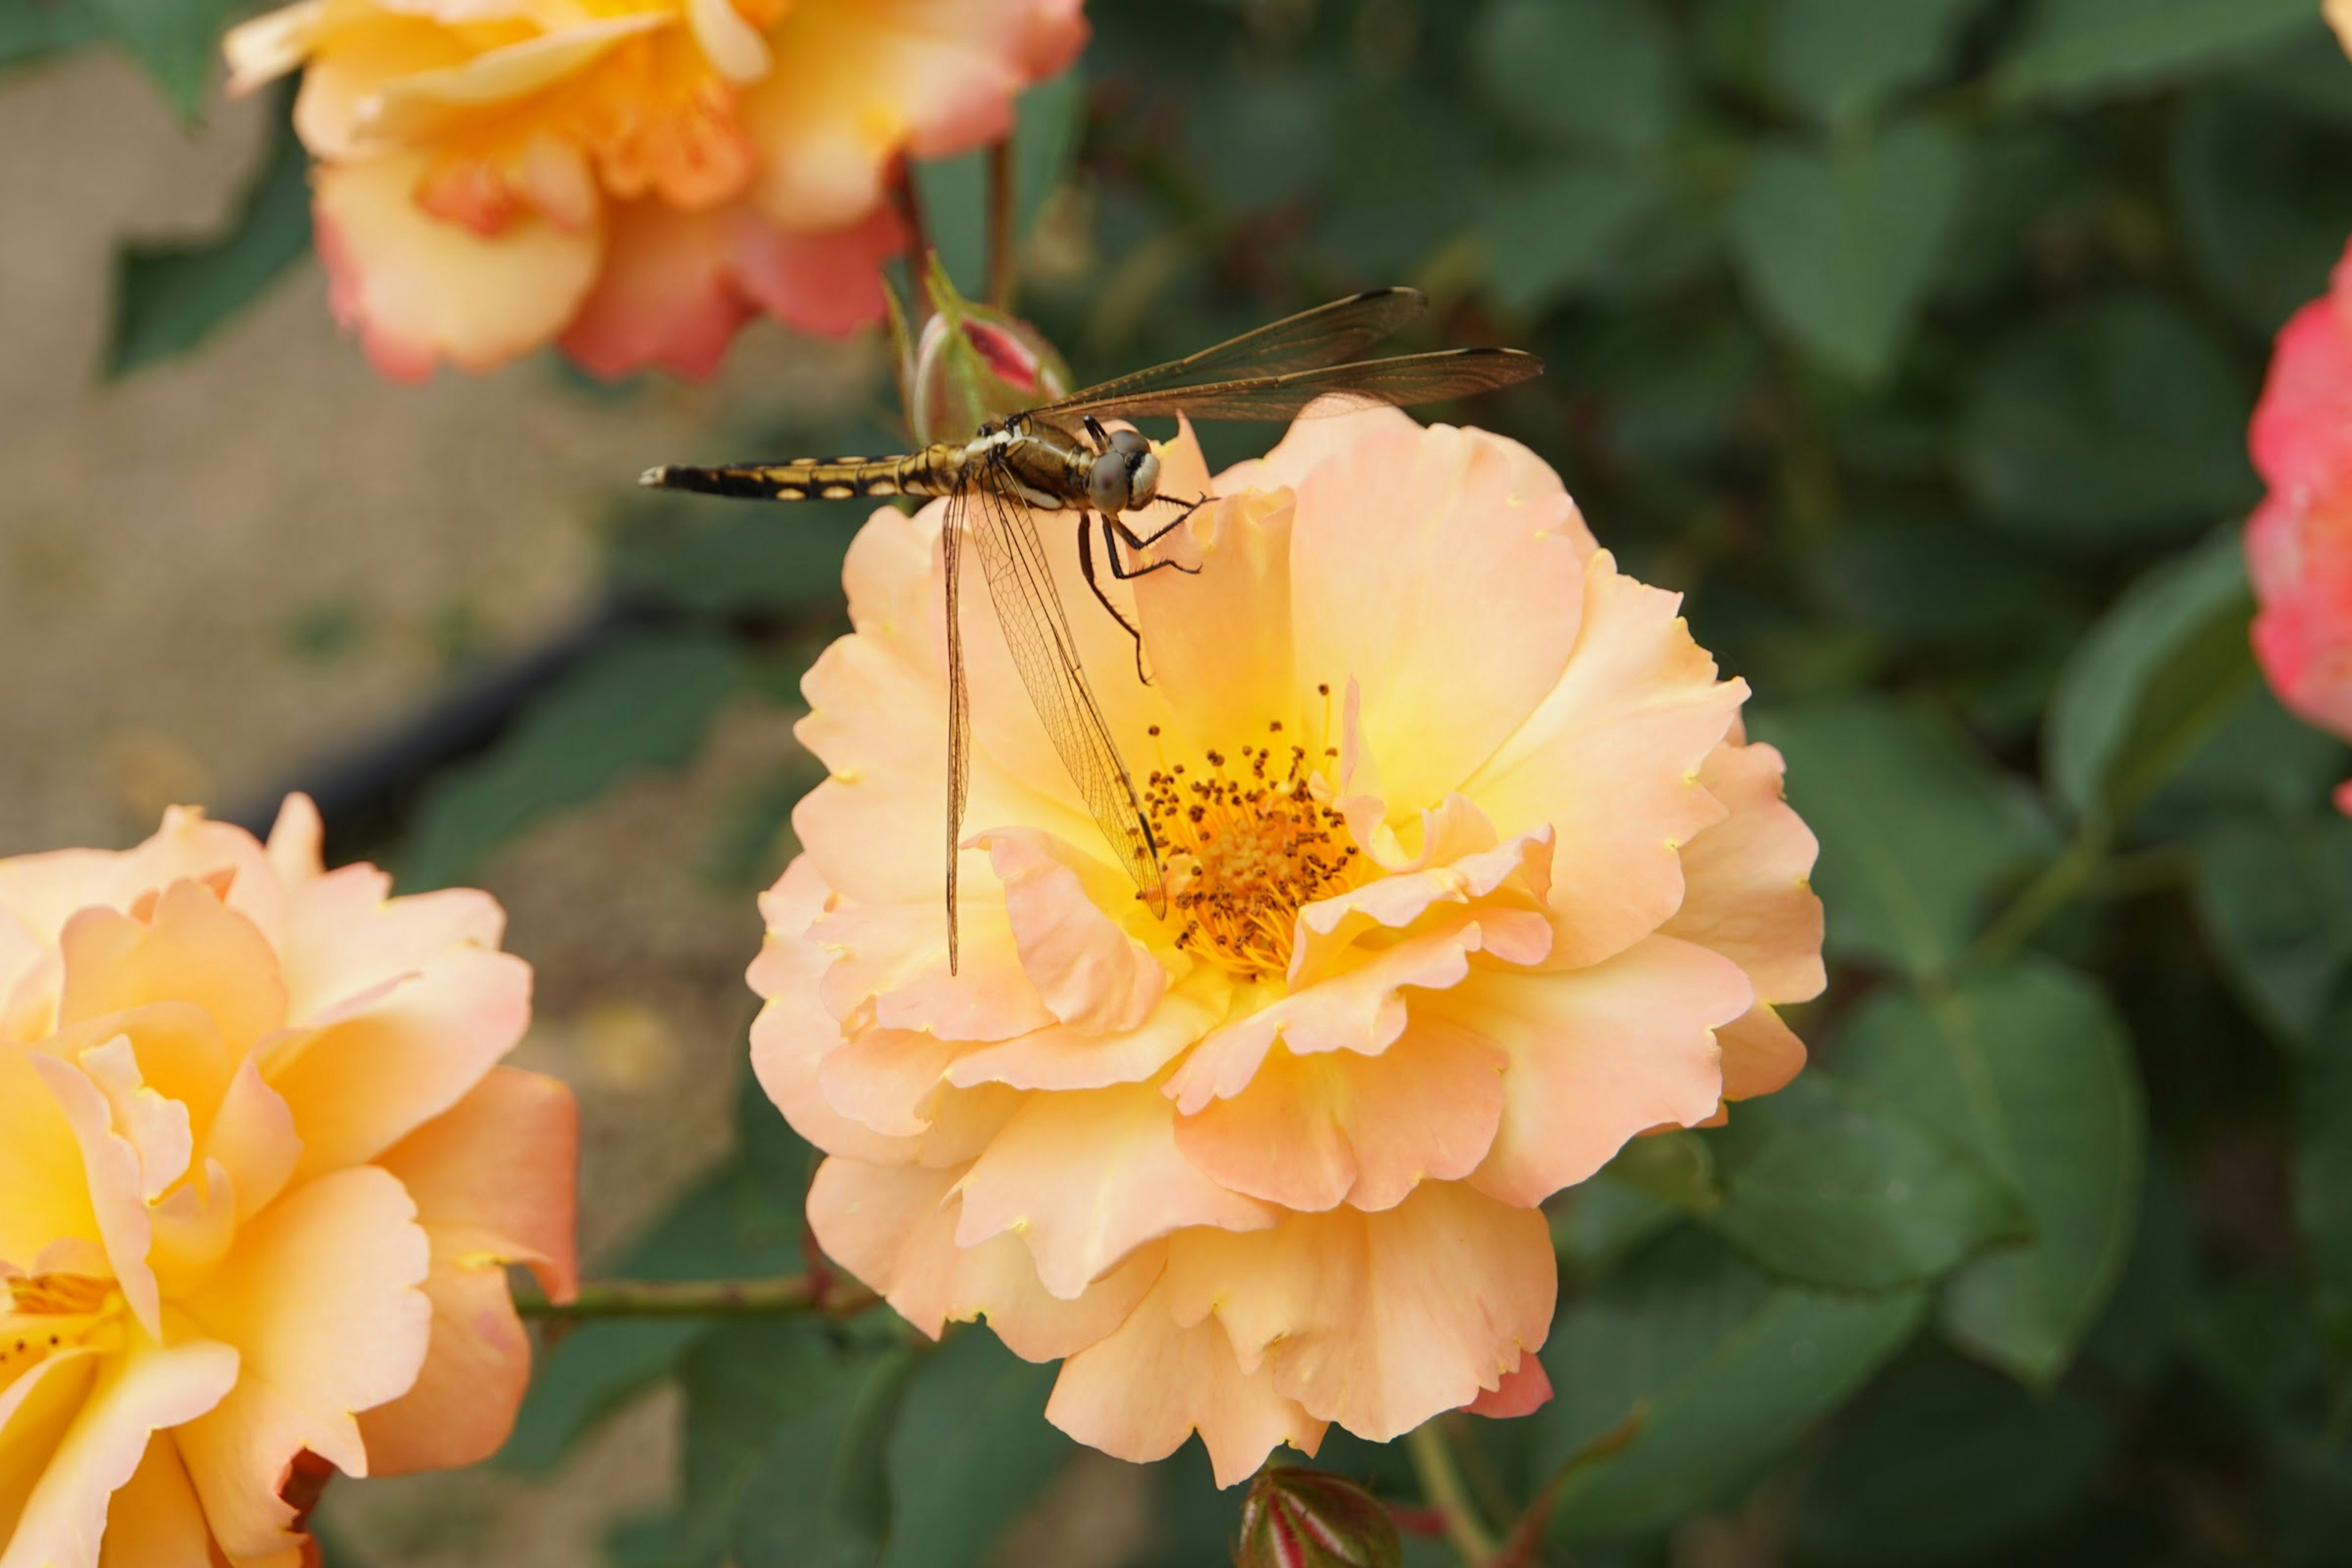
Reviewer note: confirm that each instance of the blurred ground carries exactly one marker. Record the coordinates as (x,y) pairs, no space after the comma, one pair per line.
(235,565)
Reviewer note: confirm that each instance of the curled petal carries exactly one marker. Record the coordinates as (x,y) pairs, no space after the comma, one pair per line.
(1084,1178)
(1140,1392)
(1378,1321)
(1747,895)
(894,1228)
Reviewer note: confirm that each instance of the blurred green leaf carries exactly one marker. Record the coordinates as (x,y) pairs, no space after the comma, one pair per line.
(2078,50)
(2114,422)
(168,299)
(786,1425)
(1916,831)
(734,565)
(1943,1462)
(32,30)
(2027,1070)
(177,40)
(970,1451)
(2275,892)
(1547,232)
(1195,1521)
(1840,59)
(2153,679)
(642,703)
(1598,1222)
(1730,1368)
(2322,1177)
(1823,1188)
(2262,192)
(742,1221)
(819,1494)
(1261,141)
(1839,246)
(2136,1335)
(1924,582)
(1603,71)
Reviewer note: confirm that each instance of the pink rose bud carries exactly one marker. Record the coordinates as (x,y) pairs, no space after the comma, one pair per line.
(1310,1519)
(973,363)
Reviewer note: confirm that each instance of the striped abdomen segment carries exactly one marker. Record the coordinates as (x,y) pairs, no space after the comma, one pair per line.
(929,472)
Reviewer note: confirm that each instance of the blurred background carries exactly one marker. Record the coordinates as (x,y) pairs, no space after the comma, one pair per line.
(1914,340)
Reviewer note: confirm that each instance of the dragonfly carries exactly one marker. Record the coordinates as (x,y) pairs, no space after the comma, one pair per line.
(1060,457)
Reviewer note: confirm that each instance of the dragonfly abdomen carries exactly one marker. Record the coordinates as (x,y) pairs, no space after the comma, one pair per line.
(932,471)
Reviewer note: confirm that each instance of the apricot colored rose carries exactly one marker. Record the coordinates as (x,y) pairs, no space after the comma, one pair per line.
(1471,880)
(634,180)
(2299,543)
(260,1175)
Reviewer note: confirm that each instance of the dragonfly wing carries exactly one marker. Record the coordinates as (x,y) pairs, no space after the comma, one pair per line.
(1029,608)
(1400,382)
(959,704)
(1324,335)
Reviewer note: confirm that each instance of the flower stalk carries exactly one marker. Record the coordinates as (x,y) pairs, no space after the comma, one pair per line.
(698,1298)
(1440,1483)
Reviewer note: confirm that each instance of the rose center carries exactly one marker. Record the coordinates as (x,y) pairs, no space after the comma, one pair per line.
(48,1313)
(1249,842)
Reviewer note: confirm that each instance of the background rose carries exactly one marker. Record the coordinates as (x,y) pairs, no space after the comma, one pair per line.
(635,182)
(260,1174)
(2299,543)
(1472,881)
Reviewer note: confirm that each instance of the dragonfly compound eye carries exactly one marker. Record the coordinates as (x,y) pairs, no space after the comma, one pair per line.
(1107,483)
(1142,478)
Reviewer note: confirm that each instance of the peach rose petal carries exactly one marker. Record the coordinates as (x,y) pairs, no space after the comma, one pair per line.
(1633,717)
(50,1198)
(1407,556)
(1597,1056)
(111,1167)
(1220,639)
(1089,973)
(1525,1389)
(194,949)
(1312,1132)
(321,1296)
(1087,1177)
(1760,1053)
(894,1228)
(361,1083)
(348,938)
(1377,1320)
(1139,1392)
(419,290)
(156,1515)
(1747,894)
(131,1396)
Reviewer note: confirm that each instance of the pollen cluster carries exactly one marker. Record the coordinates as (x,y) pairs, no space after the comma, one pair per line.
(45,1311)
(1249,844)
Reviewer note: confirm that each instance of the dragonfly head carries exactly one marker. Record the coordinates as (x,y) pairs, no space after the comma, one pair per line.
(1126,475)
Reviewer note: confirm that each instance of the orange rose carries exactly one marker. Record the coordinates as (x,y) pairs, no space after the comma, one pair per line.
(1472,879)
(634,180)
(260,1177)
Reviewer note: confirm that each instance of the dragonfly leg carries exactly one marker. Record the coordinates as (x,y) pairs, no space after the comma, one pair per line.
(1157,534)
(1087,567)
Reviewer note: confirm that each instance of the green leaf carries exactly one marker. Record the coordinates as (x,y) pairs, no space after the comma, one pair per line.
(177,41)
(1729,1369)
(2261,191)
(2114,422)
(1602,71)
(2028,1071)
(1944,1461)
(786,1425)
(1839,247)
(735,565)
(32,30)
(970,1451)
(1547,232)
(2323,1179)
(2080,49)
(1823,1188)
(1915,830)
(169,299)
(2151,682)
(819,1495)
(2274,893)
(642,702)
(1840,59)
